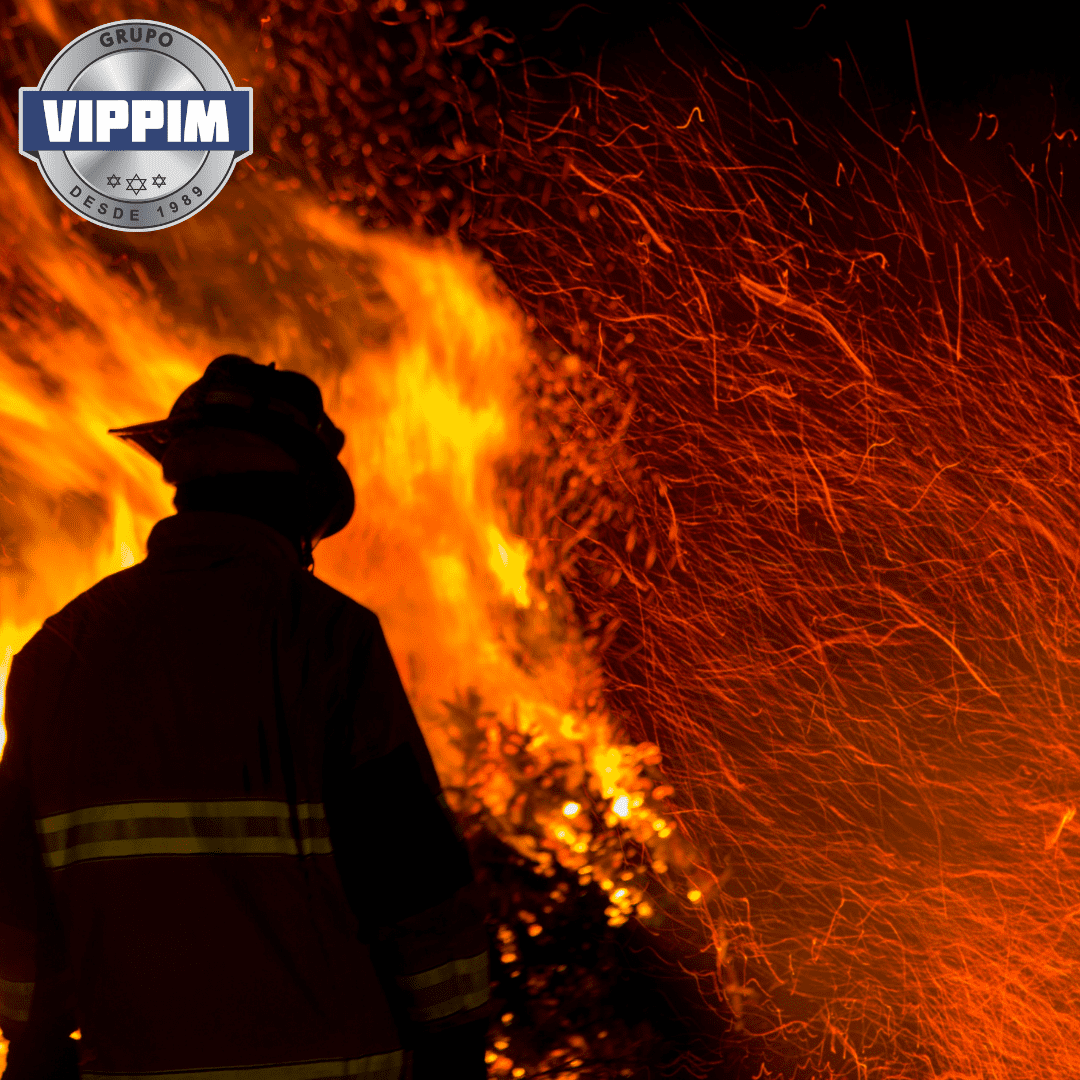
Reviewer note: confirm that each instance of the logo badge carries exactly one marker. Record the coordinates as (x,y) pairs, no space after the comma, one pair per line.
(136,125)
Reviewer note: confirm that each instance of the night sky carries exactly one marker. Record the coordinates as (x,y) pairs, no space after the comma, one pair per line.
(1018,62)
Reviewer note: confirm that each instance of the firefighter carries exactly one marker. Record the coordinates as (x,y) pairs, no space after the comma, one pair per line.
(223,848)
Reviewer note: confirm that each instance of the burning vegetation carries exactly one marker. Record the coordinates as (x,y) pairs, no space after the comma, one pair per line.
(715,488)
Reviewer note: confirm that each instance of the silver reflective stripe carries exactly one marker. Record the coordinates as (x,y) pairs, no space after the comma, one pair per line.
(372,1067)
(15,999)
(233,827)
(457,986)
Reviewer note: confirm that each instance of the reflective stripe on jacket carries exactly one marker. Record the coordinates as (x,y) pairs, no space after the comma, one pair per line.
(236,827)
(375,1067)
(222,851)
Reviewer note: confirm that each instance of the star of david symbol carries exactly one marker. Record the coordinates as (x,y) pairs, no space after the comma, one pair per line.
(114,180)
(136,184)
(159,180)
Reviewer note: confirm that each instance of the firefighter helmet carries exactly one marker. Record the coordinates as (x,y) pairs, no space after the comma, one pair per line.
(282,406)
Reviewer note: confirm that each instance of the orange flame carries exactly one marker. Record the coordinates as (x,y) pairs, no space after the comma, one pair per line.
(428,404)
(421,362)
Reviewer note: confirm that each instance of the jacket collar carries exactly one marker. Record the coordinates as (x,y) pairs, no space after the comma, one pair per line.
(203,537)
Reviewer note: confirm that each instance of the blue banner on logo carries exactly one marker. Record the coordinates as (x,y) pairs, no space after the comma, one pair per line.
(100,120)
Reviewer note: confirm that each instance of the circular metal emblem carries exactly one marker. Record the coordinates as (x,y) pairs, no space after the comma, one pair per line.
(122,125)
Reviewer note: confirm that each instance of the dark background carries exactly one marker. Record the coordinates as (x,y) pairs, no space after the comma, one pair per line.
(1019,62)
(964,50)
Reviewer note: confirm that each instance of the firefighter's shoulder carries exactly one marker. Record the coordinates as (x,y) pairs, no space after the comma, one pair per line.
(330,606)
(61,630)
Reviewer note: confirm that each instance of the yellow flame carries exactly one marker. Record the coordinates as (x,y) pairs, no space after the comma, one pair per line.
(16,407)
(5,667)
(508,561)
(569,728)
(420,359)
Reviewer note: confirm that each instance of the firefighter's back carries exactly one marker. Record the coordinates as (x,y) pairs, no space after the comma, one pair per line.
(177,768)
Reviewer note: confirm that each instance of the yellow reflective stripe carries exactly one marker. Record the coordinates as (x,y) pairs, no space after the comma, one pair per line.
(15,999)
(471,966)
(222,808)
(461,1003)
(372,1067)
(453,987)
(179,845)
(234,827)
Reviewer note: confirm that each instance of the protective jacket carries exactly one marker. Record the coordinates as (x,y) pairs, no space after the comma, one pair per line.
(222,840)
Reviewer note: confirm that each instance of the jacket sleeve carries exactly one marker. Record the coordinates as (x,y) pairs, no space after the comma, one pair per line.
(36,992)
(405,870)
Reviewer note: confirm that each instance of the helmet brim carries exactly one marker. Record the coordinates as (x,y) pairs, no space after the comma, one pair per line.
(336,499)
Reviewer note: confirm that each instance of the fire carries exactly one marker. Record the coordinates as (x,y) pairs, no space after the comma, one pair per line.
(422,364)
(430,402)
(5,667)
(798,450)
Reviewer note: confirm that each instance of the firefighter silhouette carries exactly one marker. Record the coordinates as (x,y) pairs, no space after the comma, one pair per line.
(223,846)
